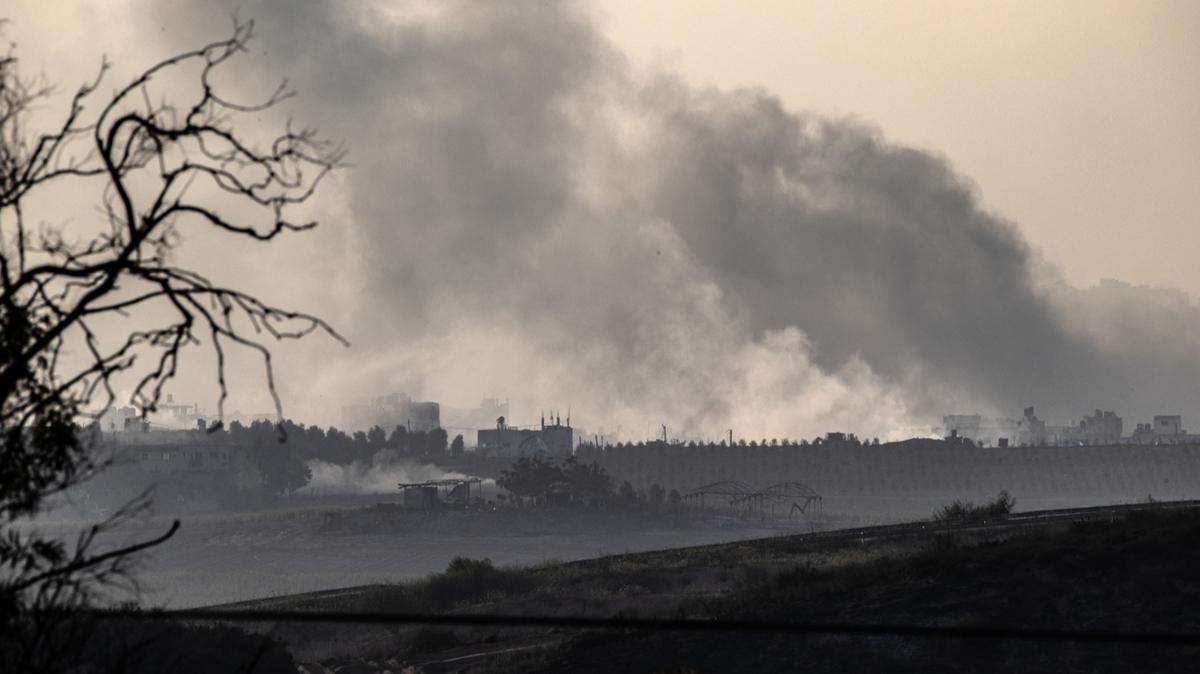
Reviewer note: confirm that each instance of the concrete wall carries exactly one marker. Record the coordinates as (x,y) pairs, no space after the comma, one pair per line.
(915,476)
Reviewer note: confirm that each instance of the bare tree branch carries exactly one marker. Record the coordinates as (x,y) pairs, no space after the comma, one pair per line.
(55,288)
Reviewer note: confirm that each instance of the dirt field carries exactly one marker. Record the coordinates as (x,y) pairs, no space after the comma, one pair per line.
(215,560)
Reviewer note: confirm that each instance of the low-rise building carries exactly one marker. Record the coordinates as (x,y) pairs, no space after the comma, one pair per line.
(553,439)
(1100,428)
(1166,429)
(981,430)
(1169,425)
(1030,431)
(390,411)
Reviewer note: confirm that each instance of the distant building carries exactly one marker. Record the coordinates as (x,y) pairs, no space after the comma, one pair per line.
(390,411)
(1102,427)
(167,415)
(982,430)
(122,419)
(467,420)
(1030,430)
(839,437)
(420,497)
(967,426)
(176,415)
(1166,429)
(1168,424)
(191,467)
(190,457)
(1143,434)
(553,439)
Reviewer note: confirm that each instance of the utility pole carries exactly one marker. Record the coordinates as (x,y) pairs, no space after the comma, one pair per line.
(664,427)
(731,437)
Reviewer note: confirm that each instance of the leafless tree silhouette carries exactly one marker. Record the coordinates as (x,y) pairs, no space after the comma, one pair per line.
(157,166)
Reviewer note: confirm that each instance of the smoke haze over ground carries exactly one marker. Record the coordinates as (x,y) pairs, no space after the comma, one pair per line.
(380,478)
(529,217)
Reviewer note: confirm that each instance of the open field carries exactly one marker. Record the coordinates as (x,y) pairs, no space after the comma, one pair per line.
(219,559)
(1131,569)
(307,544)
(228,557)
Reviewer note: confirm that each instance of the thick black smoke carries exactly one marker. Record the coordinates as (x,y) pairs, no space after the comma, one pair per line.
(535,220)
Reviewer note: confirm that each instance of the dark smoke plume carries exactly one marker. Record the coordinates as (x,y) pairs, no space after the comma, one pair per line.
(529,217)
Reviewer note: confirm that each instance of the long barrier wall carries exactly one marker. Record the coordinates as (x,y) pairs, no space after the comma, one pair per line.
(913,477)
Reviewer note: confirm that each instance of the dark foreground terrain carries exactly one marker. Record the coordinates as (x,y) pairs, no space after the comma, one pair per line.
(1136,575)
(1135,571)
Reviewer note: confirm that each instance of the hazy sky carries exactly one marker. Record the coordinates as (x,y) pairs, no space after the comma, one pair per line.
(780,216)
(1079,120)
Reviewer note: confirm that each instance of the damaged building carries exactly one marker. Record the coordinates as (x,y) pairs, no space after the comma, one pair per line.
(996,432)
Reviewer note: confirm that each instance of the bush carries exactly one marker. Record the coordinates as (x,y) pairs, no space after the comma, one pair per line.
(465,581)
(964,512)
(468,581)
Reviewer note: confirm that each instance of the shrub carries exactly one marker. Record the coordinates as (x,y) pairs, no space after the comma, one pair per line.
(962,512)
(465,581)
(470,580)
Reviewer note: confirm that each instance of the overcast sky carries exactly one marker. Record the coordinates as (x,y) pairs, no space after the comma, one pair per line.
(780,216)
(1078,119)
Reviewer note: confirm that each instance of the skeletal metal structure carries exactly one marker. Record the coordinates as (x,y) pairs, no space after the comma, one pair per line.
(738,495)
(449,490)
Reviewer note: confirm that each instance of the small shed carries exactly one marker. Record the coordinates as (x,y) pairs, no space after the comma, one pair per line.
(420,497)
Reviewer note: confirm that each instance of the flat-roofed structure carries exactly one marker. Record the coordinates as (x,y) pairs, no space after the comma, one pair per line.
(553,439)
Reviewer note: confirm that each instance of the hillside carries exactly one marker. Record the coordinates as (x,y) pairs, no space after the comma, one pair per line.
(1139,571)
(1137,575)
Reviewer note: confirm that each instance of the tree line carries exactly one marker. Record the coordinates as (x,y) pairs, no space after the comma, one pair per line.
(281,452)
(541,481)
(340,447)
